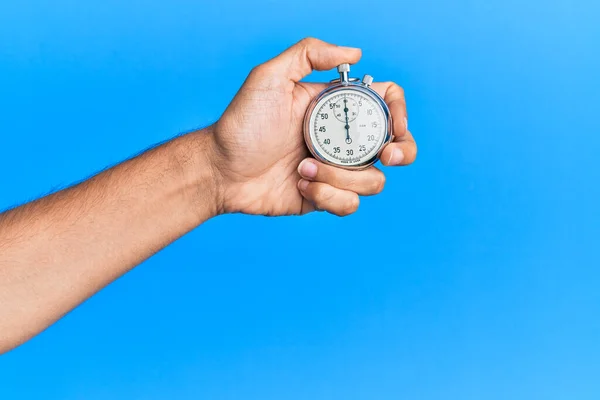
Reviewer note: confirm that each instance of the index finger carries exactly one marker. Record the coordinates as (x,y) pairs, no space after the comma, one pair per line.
(310,54)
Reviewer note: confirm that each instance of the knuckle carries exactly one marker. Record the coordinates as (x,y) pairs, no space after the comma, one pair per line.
(397,87)
(257,71)
(410,154)
(350,206)
(389,85)
(322,195)
(308,41)
(400,90)
(328,196)
(378,183)
(264,74)
(350,183)
(397,90)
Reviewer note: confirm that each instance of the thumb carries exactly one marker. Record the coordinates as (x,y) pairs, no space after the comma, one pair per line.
(310,54)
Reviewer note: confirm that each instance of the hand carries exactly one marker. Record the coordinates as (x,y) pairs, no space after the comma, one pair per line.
(259,150)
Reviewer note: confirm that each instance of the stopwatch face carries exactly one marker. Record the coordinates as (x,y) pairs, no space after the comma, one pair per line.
(347,127)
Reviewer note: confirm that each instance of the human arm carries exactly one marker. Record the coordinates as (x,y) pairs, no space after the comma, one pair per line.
(59,250)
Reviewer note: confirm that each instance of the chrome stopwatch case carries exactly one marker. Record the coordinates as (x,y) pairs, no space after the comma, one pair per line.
(348,124)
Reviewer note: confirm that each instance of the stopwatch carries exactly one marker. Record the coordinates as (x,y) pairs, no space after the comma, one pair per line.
(348,124)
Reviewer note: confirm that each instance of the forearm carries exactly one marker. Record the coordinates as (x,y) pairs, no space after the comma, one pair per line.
(59,250)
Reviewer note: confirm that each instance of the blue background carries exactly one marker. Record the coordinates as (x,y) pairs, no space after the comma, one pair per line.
(477,275)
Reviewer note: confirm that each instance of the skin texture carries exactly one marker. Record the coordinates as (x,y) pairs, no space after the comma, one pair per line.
(59,250)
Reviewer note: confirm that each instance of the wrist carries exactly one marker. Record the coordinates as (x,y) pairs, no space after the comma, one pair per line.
(200,177)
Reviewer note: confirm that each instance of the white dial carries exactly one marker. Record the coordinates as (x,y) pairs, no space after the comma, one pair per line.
(347,127)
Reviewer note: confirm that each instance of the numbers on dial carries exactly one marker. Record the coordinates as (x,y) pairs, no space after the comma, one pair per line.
(345,109)
(348,126)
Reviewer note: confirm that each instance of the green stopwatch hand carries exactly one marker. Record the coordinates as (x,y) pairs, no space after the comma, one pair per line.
(348,139)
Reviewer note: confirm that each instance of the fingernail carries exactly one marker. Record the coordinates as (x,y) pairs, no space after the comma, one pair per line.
(405,123)
(396,157)
(307,169)
(303,184)
(348,48)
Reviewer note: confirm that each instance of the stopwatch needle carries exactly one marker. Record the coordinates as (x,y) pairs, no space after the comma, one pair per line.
(348,140)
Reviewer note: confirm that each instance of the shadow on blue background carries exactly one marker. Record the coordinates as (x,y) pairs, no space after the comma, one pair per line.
(477,276)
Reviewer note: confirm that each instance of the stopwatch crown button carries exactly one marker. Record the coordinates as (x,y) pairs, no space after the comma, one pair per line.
(343,68)
(367,80)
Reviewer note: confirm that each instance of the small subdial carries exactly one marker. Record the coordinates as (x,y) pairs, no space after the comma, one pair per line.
(346,109)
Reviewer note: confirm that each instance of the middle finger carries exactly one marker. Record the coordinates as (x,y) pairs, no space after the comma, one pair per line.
(365,182)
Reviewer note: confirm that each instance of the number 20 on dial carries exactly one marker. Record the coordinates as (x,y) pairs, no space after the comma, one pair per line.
(348,124)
